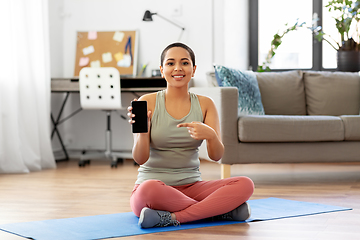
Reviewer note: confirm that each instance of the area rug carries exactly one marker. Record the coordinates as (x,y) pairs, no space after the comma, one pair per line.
(125,224)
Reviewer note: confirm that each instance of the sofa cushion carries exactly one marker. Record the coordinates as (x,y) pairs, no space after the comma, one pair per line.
(276,128)
(332,93)
(282,93)
(352,127)
(249,101)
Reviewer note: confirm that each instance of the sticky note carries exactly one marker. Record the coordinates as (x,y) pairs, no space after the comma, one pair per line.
(95,64)
(118,56)
(88,50)
(106,57)
(92,35)
(84,61)
(118,36)
(125,62)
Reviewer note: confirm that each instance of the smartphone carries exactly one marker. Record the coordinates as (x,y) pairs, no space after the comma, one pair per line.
(139,109)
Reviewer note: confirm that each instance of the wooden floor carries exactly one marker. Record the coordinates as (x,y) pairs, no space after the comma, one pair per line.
(70,191)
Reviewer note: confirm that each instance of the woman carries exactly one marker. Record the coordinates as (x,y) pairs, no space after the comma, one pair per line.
(169,189)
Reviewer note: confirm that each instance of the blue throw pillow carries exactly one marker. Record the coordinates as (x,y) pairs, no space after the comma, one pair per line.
(245,81)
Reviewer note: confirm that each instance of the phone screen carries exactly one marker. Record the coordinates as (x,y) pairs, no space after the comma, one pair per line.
(141,121)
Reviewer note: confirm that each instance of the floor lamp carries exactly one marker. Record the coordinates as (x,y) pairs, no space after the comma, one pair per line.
(148,18)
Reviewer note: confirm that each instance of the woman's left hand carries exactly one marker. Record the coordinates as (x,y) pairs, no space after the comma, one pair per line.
(199,130)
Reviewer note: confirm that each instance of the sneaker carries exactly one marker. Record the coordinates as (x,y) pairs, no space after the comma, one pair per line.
(241,213)
(155,218)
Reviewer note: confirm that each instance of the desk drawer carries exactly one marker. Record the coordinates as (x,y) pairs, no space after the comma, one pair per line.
(64,85)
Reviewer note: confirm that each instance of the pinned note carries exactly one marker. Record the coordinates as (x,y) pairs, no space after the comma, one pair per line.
(88,50)
(118,36)
(118,56)
(95,64)
(125,62)
(106,57)
(92,35)
(84,61)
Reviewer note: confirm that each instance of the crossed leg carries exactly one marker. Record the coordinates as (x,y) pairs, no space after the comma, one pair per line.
(194,201)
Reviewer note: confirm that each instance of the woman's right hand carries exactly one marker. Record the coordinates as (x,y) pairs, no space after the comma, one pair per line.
(141,147)
(130,114)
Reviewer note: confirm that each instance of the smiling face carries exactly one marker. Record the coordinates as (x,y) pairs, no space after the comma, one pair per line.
(177,67)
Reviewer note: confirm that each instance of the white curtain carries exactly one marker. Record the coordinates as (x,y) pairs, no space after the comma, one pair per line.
(25,143)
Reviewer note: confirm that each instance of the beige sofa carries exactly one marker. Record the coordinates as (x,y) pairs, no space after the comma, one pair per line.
(309,117)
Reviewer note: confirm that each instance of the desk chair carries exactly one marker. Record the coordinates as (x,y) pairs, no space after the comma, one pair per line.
(100,89)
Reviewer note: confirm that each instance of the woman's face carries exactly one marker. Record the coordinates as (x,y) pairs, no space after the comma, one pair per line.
(177,67)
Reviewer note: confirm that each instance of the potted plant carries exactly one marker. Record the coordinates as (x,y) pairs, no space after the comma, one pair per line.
(275,43)
(347,18)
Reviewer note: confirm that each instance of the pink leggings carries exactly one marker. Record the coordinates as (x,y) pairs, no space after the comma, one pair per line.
(193,201)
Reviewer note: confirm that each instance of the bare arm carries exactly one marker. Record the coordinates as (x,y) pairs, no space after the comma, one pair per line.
(209,130)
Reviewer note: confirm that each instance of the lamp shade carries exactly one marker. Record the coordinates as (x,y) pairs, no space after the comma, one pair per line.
(148,16)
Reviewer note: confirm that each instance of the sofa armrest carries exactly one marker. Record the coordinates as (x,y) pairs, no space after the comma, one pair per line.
(226,102)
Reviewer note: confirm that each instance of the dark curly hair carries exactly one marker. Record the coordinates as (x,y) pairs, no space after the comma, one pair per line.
(178,44)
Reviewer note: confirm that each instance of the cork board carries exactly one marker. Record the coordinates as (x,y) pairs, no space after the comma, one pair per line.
(107,49)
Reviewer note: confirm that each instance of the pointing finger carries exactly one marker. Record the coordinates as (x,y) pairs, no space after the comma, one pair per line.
(184,125)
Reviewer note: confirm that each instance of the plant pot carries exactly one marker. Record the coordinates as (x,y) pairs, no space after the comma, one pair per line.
(348,61)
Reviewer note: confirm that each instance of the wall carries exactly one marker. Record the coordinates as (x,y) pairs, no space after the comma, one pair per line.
(206,32)
(56,9)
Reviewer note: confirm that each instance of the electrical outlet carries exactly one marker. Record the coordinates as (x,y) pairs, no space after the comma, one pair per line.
(177,11)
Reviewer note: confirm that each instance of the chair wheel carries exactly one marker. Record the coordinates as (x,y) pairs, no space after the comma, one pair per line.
(120,160)
(114,165)
(136,164)
(82,163)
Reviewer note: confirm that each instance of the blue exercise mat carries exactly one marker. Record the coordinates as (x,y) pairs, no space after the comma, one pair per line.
(125,224)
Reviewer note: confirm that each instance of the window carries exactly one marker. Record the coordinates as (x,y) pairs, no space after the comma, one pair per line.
(329,53)
(295,50)
(298,50)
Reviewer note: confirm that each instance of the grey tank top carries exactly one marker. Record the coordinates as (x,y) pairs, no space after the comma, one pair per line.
(174,156)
